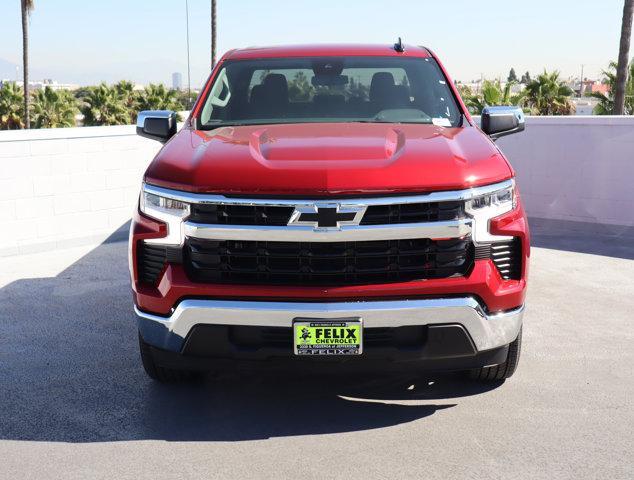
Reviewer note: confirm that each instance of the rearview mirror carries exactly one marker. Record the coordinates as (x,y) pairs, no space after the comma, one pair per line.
(499,121)
(156,124)
(320,80)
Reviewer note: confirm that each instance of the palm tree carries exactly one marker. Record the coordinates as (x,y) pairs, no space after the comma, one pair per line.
(606,101)
(102,105)
(157,97)
(491,94)
(27,7)
(129,97)
(624,53)
(548,95)
(213,33)
(11,106)
(54,109)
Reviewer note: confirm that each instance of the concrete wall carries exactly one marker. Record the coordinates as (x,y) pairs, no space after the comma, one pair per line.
(66,187)
(576,168)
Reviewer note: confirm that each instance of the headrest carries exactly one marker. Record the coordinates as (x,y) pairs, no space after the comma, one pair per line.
(380,84)
(276,84)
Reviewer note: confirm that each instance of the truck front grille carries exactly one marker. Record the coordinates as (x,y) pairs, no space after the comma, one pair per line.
(317,263)
(413,213)
(220,214)
(150,261)
(507,257)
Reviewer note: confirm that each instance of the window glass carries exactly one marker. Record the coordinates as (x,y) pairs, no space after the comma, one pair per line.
(341,89)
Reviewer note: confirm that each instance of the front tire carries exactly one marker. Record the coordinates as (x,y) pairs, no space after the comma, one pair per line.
(163,374)
(504,370)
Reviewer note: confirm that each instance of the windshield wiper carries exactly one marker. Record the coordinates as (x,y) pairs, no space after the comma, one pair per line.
(212,126)
(425,122)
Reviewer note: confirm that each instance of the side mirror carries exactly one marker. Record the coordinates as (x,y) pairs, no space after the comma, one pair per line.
(156,124)
(499,121)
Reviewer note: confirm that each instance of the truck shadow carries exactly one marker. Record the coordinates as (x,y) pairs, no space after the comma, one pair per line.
(597,239)
(70,372)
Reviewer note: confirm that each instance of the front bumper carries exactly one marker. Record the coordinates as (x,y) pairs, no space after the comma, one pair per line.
(483,331)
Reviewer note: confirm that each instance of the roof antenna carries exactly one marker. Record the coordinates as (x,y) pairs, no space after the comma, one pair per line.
(398,46)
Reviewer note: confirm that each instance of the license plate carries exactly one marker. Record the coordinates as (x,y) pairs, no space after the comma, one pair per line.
(341,336)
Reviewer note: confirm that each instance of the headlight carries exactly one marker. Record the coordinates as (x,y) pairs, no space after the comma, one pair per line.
(167,210)
(483,208)
(501,201)
(157,206)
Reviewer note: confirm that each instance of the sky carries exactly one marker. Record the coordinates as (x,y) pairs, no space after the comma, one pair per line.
(76,41)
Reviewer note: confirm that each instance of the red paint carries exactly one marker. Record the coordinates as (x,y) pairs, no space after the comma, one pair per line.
(328,158)
(142,228)
(484,282)
(324,159)
(326,50)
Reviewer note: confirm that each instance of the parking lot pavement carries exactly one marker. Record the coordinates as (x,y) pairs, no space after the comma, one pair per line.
(75,403)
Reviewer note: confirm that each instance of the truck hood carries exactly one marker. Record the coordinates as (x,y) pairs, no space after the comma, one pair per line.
(328,159)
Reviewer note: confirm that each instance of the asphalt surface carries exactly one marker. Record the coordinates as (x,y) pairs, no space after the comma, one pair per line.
(75,403)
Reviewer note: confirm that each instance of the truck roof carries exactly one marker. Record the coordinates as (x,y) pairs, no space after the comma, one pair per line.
(326,50)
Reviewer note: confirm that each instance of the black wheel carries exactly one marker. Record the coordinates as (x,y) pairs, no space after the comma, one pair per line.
(504,370)
(163,374)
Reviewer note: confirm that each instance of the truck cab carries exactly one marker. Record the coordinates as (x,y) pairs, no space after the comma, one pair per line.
(330,207)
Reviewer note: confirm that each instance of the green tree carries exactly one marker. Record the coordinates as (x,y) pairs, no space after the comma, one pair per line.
(102,105)
(11,106)
(492,94)
(358,90)
(157,97)
(129,97)
(606,101)
(548,95)
(185,98)
(27,8)
(299,88)
(526,78)
(512,76)
(465,92)
(54,109)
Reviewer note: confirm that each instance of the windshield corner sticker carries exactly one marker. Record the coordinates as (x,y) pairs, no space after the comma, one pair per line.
(441,122)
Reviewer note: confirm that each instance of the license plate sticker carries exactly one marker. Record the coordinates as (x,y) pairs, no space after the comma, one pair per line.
(328,337)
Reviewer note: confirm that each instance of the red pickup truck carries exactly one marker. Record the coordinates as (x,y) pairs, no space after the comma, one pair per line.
(330,206)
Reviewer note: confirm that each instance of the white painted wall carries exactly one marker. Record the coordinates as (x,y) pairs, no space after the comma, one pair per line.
(69,186)
(575,168)
(75,186)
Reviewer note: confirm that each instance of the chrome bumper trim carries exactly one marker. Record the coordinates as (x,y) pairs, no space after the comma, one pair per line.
(449,229)
(487,331)
(440,196)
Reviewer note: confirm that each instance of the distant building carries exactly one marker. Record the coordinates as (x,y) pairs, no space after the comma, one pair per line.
(47,82)
(584,105)
(600,88)
(591,86)
(177,81)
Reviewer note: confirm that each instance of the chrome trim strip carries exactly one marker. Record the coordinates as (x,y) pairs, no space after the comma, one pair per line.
(487,331)
(298,233)
(441,196)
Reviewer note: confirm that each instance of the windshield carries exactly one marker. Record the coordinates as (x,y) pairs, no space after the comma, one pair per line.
(340,89)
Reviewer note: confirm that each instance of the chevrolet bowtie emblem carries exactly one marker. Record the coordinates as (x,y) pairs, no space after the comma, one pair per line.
(326,216)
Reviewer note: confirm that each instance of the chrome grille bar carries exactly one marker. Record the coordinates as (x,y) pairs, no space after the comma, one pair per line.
(448,229)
